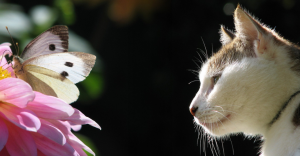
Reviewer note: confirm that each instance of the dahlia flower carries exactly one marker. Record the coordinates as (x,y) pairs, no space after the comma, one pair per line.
(32,123)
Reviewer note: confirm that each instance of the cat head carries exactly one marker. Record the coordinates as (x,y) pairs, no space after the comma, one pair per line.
(246,82)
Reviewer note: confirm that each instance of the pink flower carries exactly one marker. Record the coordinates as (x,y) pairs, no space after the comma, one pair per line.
(32,123)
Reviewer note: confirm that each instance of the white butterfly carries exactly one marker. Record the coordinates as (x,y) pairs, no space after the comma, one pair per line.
(47,66)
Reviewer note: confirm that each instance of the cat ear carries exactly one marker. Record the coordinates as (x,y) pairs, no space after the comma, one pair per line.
(251,31)
(226,35)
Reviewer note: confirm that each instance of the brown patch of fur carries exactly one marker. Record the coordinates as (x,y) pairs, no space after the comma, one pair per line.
(240,48)
(292,49)
(234,51)
(228,33)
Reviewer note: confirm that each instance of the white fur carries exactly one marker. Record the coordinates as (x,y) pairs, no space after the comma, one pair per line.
(283,138)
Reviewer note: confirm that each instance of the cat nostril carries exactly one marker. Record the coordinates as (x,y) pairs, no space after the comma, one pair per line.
(193,110)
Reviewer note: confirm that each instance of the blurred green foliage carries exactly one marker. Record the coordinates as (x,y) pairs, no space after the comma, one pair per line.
(66,10)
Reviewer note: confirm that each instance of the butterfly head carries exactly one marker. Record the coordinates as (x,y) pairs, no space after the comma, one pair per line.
(17,65)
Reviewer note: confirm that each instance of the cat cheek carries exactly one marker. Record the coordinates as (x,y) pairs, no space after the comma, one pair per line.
(209,90)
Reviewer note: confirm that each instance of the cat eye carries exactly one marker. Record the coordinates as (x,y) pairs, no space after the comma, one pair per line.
(215,79)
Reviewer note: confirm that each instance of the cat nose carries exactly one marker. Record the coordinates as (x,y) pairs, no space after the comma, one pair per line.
(193,110)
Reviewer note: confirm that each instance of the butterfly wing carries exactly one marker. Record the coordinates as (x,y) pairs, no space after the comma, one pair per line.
(56,74)
(53,40)
(50,83)
(74,66)
(49,68)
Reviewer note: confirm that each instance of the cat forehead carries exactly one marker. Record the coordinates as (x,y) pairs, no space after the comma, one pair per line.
(232,52)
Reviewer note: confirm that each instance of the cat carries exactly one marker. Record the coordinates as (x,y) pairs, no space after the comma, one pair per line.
(252,85)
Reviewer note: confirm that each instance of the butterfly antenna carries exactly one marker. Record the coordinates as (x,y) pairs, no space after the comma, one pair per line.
(17,44)
(12,40)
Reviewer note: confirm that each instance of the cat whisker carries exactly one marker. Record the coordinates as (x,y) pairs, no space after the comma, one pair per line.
(224,110)
(205,48)
(221,121)
(203,53)
(231,146)
(222,141)
(216,140)
(205,138)
(222,115)
(199,67)
(230,111)
(193,81)
(223,147)
(201,132)
(211,143)
(200,60)
(215,148)
(196,72)
(220,107)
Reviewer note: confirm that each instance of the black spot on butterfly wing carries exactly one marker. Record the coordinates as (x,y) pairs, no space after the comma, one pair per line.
(64,74)
(69,64)
(62,32)
(52,47)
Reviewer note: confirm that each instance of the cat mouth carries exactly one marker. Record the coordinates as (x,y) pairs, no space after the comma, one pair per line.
(216,124)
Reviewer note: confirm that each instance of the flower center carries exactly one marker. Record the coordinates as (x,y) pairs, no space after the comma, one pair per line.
(4,73)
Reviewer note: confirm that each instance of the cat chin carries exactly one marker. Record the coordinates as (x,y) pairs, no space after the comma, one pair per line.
(214,128)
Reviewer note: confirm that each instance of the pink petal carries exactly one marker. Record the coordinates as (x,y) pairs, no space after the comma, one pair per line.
(16,91)
(21,117)
(51,132)
(20,142)
(7,66)
(4,152)
(78,150)
(49,147)
(10,69)
(50,107)
(39,153)
(78,144)
(76,127)
(5,48)
(63,126)
(3,134)
(79,118)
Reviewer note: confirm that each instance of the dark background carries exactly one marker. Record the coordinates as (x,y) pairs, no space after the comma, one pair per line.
(146,63)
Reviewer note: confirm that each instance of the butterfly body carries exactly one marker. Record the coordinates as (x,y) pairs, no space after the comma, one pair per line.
(47,66)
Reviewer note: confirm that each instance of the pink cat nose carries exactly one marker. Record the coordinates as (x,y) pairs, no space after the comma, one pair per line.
(193,110)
